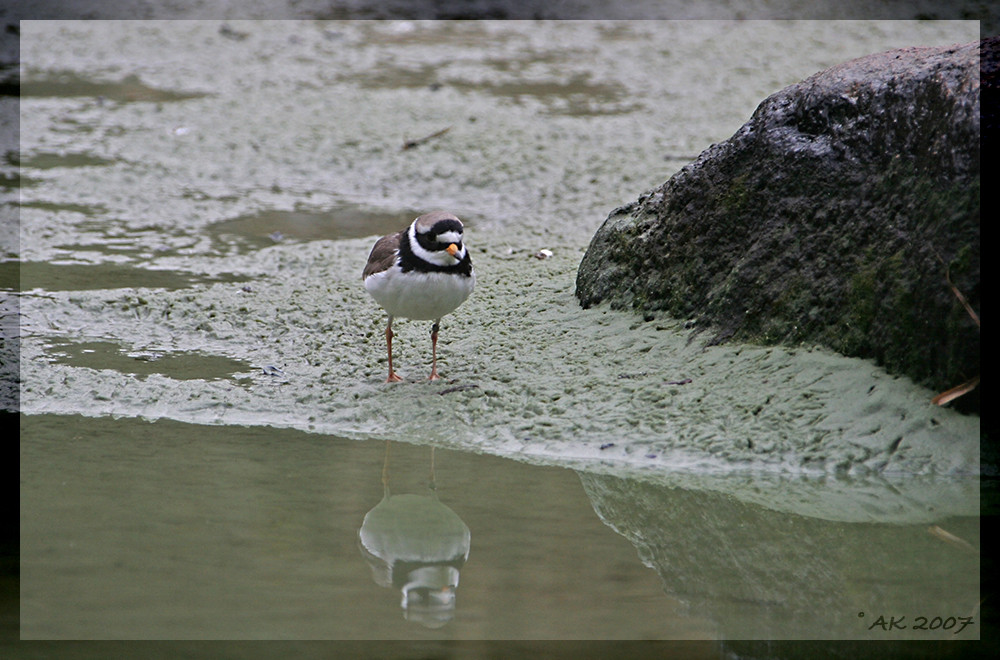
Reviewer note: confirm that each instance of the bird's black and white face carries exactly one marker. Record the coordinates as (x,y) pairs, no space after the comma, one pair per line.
(436,238)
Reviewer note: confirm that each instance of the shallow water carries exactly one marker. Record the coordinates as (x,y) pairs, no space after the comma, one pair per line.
(165,530)
(195,211)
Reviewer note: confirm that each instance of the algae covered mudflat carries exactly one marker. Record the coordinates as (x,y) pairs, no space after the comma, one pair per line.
(306,125)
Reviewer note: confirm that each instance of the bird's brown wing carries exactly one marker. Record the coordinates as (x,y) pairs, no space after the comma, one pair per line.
(383,254)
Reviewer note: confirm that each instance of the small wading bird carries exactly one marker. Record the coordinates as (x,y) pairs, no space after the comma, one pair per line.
(422,273)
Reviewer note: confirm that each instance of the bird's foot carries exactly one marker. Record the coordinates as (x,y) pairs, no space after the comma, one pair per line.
(394,378)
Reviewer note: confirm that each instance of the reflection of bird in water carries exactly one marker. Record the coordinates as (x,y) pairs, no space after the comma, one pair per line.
(418,545)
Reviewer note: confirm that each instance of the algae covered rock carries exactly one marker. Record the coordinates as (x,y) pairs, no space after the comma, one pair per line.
(836,215)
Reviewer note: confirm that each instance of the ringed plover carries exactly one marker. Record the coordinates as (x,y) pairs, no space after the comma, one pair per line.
(422,273)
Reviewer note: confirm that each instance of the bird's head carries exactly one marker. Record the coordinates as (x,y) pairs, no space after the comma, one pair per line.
(436,237)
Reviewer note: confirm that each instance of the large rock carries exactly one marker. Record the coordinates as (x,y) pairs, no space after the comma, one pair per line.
(835,215)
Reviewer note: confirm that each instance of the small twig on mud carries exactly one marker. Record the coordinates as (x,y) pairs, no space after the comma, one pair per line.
(955,392)
(409,144)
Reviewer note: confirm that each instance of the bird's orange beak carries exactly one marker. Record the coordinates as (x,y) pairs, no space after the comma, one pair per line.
(452,249)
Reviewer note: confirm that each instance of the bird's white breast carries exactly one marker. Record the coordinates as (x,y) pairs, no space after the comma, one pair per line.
(418,295)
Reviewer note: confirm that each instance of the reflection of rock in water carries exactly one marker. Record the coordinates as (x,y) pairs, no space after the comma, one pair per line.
(764,574)
(418,545)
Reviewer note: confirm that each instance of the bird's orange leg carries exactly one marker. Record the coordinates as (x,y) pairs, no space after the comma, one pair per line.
(434,351)
(393,376)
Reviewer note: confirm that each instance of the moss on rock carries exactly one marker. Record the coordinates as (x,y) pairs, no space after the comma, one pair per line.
(836,215)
